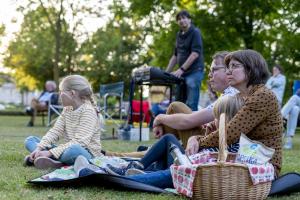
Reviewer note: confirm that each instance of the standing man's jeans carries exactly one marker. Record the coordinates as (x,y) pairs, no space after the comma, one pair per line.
(69,155)
(193,85)
(290,111)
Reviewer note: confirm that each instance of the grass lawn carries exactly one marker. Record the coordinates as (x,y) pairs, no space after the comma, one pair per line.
(13,175)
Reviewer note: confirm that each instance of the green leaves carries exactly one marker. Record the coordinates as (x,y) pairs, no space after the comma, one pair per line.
(270,27)
(143,32)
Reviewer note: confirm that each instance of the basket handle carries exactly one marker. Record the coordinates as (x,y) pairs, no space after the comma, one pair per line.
(222,156)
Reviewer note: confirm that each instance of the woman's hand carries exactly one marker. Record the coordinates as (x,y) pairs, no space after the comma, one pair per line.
(158,131)
(192,146)
(210,127)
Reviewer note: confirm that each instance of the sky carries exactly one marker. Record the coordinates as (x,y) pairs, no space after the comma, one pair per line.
(13,20)
(8,14)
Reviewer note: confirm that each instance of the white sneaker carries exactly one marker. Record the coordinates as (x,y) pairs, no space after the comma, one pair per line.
(288,144)
(134,171)
(81,163)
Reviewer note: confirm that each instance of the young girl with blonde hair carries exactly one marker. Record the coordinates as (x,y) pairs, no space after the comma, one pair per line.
(78,124)
(229,105)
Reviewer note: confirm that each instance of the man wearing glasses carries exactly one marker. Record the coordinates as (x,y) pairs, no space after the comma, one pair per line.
(180,120)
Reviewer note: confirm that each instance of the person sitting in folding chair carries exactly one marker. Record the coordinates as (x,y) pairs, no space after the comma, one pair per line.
(41,103)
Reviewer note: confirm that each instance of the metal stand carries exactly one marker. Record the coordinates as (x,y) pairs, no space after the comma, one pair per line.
(141,84)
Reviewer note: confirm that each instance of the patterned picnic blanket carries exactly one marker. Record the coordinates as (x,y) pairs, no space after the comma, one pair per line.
(67,172)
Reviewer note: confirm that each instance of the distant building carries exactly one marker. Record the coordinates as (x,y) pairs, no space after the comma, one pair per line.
(9,93)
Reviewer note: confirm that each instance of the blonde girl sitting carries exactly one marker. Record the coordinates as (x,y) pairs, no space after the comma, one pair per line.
(229,105)
(78,124)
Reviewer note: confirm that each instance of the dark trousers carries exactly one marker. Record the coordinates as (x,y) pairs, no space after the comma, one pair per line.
(159,153)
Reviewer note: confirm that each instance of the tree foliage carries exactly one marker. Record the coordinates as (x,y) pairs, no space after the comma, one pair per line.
(270,27)
(113,51)
(143,32)
(32,51)
(2,30)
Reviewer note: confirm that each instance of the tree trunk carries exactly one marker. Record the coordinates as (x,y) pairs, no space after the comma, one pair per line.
(57,51)
(57,45)
(247,35)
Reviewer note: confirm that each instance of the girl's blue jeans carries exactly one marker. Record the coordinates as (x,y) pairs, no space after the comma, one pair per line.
(68,156)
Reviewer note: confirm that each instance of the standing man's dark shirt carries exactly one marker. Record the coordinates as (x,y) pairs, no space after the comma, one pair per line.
(186,43)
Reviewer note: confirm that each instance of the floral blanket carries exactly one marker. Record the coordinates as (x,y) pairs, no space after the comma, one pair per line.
(67,172)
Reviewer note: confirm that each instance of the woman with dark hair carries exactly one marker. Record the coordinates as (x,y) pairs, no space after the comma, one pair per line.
(277,83)
(260,117)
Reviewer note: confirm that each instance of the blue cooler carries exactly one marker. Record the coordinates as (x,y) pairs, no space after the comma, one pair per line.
(296,86)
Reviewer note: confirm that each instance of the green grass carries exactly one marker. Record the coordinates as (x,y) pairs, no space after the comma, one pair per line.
(13,176)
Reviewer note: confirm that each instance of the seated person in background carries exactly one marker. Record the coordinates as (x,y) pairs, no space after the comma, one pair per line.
(277,82)
(290,113)
(41,103)
(180,120)
(79,125)
(158,101)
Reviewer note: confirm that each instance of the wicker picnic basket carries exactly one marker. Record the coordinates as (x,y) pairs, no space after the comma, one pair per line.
(224,179)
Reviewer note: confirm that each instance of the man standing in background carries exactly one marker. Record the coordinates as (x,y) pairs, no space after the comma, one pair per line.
(188,55)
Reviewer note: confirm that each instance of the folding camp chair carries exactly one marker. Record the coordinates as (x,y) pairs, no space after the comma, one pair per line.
(54,109)
(111,90)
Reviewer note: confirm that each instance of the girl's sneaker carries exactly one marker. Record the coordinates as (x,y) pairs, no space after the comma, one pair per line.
(27,161)
(46,163)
